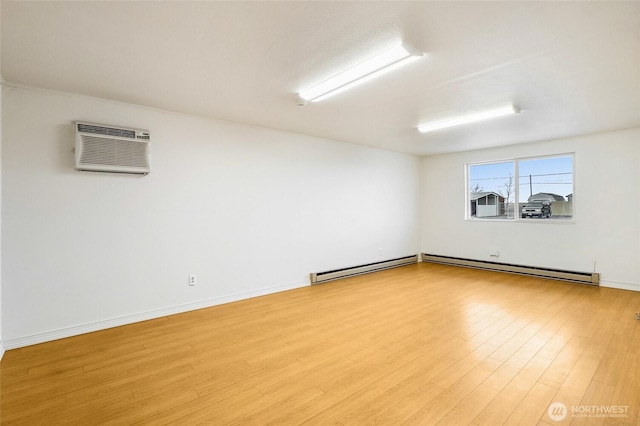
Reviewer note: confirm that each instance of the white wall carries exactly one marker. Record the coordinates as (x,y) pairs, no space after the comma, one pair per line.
(253,211)
(1,341)
(1,82)
(606,229)
(249,210)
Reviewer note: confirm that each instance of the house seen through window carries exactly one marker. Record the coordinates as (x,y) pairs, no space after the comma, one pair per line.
(521,189)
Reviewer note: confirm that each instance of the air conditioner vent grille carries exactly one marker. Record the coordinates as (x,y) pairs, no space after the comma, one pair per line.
(113,152)
(108,131)
(103,148)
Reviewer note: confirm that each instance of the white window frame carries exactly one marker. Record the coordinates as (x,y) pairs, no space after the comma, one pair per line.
(516,166)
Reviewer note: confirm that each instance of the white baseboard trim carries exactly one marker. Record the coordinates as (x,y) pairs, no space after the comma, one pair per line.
(1,350)
(621,285)
(144,316)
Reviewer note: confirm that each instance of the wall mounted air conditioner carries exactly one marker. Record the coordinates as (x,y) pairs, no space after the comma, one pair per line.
(101,148)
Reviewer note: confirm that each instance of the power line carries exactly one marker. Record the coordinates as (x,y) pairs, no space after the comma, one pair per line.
(520,177)
(547,183)
(550,174)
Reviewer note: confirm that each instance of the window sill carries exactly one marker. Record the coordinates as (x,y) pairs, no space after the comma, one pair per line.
(567,221)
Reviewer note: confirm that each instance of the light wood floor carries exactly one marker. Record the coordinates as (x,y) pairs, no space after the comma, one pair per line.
(424,344)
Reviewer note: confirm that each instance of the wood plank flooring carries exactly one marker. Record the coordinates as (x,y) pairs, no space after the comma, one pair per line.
(419,345)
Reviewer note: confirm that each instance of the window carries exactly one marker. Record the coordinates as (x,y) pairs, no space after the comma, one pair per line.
(521,189)
(546,181)
(491,190)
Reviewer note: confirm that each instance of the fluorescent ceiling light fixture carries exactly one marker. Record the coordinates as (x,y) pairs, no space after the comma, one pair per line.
(374,67)
(471,118)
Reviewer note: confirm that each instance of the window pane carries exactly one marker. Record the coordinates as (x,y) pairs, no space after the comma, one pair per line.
(491,191)
(546,187)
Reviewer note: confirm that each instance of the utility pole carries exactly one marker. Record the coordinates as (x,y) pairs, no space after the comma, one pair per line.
(530,187)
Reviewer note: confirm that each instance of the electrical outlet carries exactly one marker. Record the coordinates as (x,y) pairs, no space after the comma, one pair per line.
(494,253)
(381,252)
(192,280)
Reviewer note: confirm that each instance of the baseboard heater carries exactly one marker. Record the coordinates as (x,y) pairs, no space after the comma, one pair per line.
(320,277)
(592,278)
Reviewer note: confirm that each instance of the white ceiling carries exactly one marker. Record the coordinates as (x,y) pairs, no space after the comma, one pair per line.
(572,67)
